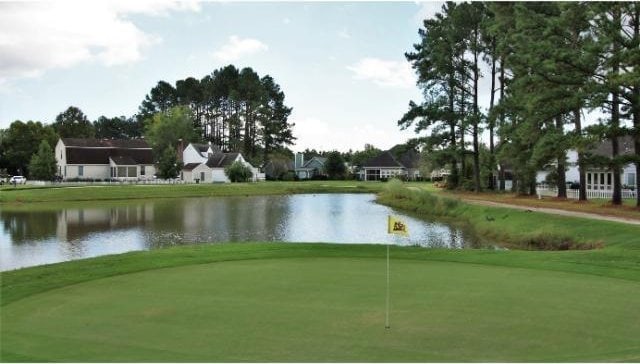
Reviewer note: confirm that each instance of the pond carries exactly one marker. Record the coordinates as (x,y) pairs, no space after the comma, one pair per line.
(40,234)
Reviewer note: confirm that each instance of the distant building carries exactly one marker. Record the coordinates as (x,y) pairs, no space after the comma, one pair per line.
(311,168)
(95,159)
(385,165)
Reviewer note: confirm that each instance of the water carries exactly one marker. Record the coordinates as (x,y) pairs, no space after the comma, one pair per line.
(34,235)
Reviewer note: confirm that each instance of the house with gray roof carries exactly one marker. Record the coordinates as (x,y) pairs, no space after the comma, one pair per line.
(311,168)
(103,159)
(385,165)
(205,163)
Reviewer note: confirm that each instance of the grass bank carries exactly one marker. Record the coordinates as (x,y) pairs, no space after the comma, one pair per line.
(322,302)
(513,228)
(127,192)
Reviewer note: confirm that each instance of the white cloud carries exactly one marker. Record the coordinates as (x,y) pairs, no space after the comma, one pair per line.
(286,21)
(38,36)
(384,73)
(427,10)
(237,48)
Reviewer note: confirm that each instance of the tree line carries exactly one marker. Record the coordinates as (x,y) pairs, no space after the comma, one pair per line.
(549,63)
(236,110)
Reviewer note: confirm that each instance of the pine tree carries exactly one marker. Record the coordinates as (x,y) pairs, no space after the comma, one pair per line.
(43,163)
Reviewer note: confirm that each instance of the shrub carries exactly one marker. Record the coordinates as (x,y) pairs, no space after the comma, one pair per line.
(238,172)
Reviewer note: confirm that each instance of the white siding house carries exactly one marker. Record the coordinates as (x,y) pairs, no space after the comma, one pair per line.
(599,178)
(94,159)
(205,164)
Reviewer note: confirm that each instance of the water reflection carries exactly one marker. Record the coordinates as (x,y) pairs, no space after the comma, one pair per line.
(47,235)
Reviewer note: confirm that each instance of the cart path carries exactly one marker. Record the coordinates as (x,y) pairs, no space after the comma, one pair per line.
(547,210)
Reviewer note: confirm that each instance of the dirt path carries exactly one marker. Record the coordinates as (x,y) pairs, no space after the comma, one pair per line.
(554,211)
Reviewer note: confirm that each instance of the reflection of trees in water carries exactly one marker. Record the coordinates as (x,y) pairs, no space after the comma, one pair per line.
(194,220)
(25,226)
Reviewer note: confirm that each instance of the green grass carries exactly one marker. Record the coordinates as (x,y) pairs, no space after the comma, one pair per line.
(325,302)
(514,228)
(126,192)
(321,302)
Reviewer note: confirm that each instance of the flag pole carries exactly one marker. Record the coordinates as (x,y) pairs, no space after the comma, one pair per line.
(386,324)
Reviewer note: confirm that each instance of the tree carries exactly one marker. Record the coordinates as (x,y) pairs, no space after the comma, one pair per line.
(20,141)
(238,172)
(72,123)
(236,110)
(166,129)
(161,98)
(118,128)
(334,166)
(168,165)
(43,163)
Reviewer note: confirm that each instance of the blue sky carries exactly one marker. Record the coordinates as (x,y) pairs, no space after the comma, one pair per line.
(341,65)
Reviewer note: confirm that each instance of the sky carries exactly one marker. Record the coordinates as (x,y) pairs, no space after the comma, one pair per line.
(341,65)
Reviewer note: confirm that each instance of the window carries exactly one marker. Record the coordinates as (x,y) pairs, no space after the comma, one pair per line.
(133,172)
(80,171)
(122,171)
(202,176)
(142,170)
(113,172)
(631,179)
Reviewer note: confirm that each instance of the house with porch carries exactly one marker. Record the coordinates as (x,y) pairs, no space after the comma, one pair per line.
(385,165)
(599,178)
(104,159)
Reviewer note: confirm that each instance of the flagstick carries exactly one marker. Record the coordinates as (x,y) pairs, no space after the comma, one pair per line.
(386,324)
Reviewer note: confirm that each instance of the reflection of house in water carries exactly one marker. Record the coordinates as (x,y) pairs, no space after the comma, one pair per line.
(76,224)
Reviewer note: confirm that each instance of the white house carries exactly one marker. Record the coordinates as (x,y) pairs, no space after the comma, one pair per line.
(198,153)
(600,178)
(94,159)
(206,163)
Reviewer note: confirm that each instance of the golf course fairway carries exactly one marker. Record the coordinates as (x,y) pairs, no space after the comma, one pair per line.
(296,307)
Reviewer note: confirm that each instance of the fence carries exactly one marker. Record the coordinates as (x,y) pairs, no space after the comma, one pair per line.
(591,194)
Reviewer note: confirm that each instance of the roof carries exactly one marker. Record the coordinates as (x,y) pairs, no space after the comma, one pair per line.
(410,159)
(384,159)
(87,155)
(190,166)
(320,160)
(123,160)
(105,143)
(625,147)
(221,160)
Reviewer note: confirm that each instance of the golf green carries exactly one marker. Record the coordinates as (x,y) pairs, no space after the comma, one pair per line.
(328,309)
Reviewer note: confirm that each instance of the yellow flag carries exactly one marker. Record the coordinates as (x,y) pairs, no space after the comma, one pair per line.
(395,226)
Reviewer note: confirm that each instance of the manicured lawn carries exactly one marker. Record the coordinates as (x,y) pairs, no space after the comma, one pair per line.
(317,302)
(325,302)
(124,192)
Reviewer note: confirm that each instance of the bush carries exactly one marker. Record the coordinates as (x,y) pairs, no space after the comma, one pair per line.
(238,172)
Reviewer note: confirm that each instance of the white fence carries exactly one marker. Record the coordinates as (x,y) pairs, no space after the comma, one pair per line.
(591,194)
